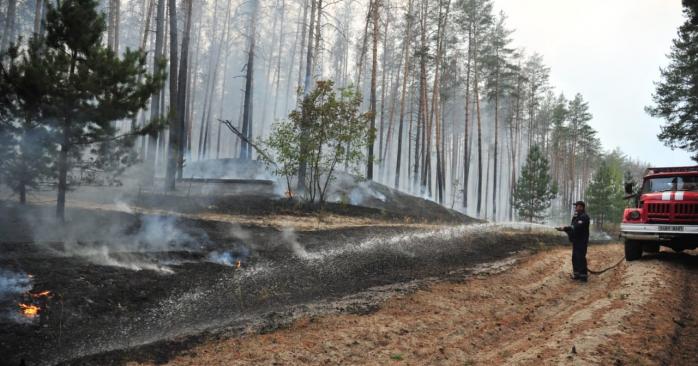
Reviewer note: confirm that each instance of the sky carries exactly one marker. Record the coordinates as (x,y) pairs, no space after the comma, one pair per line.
(610,51)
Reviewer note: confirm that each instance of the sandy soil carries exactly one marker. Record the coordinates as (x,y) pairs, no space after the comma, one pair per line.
(640,313)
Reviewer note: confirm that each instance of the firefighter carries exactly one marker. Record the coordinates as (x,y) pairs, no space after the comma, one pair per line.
(578,233)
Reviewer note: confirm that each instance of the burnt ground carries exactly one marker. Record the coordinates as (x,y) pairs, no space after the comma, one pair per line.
(144,287)
(530,313)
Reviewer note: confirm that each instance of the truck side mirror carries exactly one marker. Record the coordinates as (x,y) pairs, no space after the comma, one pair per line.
(629,188)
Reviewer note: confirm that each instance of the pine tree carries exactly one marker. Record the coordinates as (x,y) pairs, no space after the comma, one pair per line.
(535,189)
(580,141)
(605,194)
(26,142)
(498,72)
(89,85)
(676,96)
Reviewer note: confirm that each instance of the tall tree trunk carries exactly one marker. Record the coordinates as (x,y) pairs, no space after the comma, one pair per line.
(145,31)
(245,148)
(269,78)
(410,178)
(309,56)
(300,28)
(407,58)
(110,23)
(117,22)
(423,103)
(113,19)
(317,55)
(487,182)
(376,35)
(8,36)
(479,144)
(436,99)
(151,157)
(62,174)
(381,163)
(173,151)
(223,89)
(306,28)
(302,167)
(516,139)
(182,82)
(466,140)
(277,72)
(192,78)
(215,49)
(496,143)
(364,46)
(38,5)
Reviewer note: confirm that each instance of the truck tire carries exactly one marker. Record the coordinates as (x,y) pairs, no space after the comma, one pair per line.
(651,248)
(633,250)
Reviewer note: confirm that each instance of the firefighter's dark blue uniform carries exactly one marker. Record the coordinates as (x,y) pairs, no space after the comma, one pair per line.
(578,232)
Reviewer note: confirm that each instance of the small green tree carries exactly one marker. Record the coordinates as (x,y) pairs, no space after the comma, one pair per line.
(676,94)
(605,195)
(326,129)
(28,150)
(90,86)
(534,190)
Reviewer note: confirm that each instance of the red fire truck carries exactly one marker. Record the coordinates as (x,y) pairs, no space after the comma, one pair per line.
(665,212)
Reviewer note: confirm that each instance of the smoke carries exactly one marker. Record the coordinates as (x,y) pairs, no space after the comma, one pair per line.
(235,169)
(155,234)
(103,256)
(119,238)
(12,283)
(241,251)
(288,235)
(348,188)
(362,192)
(223,258)
(161,233)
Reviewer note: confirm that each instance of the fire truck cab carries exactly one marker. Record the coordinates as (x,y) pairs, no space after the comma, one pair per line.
(665,212)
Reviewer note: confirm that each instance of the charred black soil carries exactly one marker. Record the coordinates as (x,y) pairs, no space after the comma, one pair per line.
(112,299)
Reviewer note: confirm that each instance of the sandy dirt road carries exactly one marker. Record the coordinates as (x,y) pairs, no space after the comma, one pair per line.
(639,313)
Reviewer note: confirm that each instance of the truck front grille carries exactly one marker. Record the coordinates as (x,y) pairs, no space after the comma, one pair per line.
(668,212)
(686,209)
(658,208)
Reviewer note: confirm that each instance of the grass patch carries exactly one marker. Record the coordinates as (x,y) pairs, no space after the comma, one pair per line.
(396,357)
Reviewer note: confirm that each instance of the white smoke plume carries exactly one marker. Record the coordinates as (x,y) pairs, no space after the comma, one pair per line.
(289,237)
(12,283)
(223,258)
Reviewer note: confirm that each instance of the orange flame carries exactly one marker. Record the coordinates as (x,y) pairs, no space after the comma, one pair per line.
(29,311)
(40,294)
(238,264)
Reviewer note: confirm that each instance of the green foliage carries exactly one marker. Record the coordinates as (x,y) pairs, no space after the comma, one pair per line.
(676,94)
(534,189)
(27,146)
(72,86)
(397,357)
(91,86)
(604,194)
(324,130)
(500,73)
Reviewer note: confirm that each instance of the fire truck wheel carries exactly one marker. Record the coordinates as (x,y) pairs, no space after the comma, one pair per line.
(633,250)
(651,248)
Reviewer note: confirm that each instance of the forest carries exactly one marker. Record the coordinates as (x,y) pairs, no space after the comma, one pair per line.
(452,105)
(304,182)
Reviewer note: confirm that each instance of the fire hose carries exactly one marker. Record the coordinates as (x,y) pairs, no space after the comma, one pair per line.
(590,270)
(606,269)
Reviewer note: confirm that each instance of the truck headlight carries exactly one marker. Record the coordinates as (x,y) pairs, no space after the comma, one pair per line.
(634,215)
